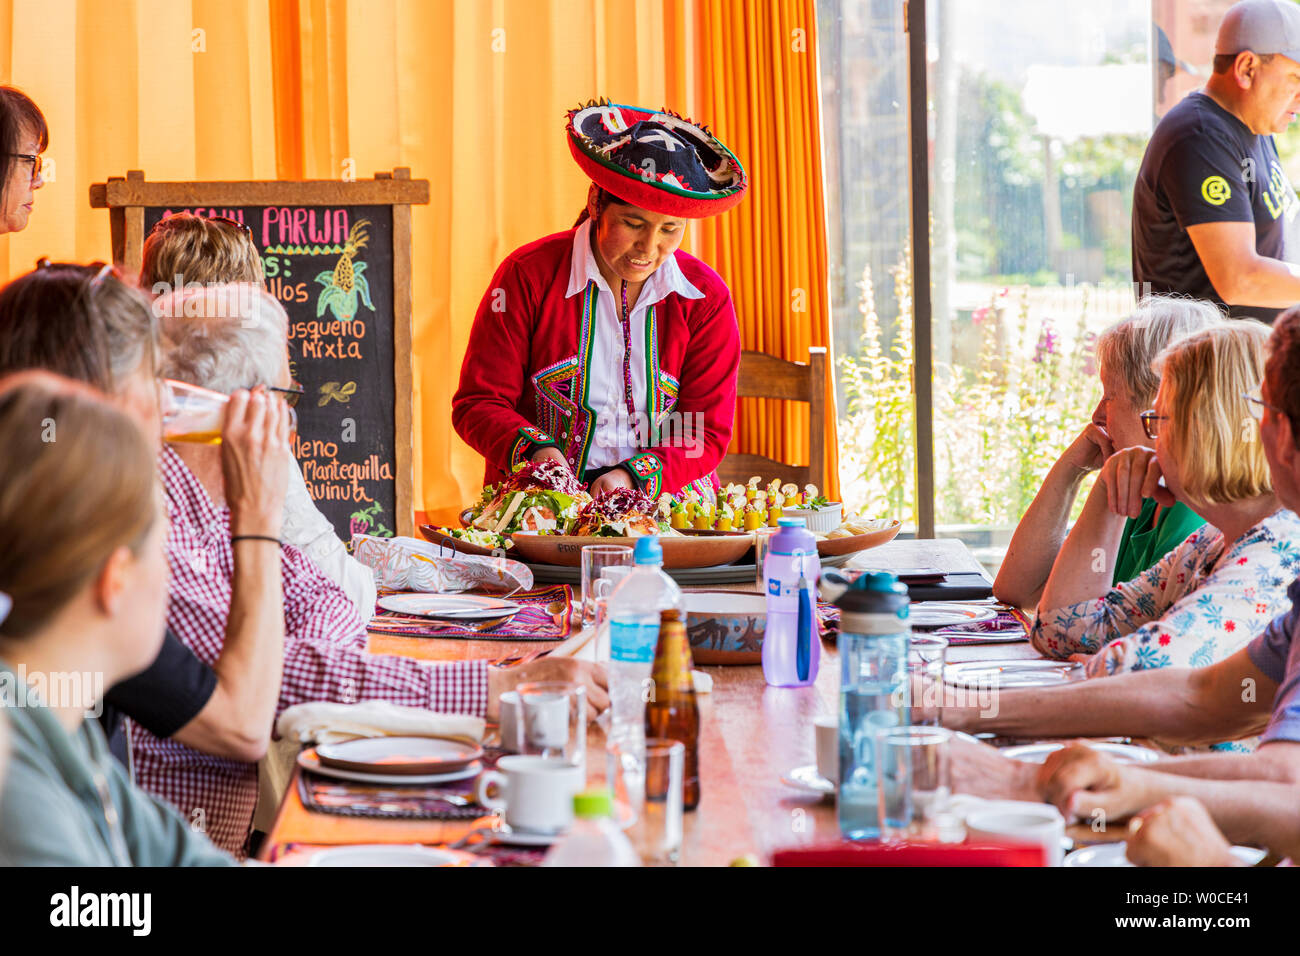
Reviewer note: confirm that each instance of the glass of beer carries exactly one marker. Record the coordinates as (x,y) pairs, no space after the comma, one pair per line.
(194,414)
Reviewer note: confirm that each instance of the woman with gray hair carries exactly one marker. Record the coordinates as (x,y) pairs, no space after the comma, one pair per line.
(235,335)
(1124,354)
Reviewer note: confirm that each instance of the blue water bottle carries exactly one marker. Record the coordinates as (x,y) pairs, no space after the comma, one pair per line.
(874,694)
(791,646)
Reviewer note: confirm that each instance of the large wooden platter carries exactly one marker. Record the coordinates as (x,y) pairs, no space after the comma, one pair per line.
(690,551)
(830,547)
(685,577)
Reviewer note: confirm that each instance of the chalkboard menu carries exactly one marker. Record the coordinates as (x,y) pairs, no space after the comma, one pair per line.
(341,270)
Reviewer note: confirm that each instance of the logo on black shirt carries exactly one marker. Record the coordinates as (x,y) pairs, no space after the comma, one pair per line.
(1215,190)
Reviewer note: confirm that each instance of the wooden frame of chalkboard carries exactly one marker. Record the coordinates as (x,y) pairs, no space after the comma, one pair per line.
(131,199)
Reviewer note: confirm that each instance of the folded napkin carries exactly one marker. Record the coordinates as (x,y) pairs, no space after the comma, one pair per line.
(324,722)
(408,564)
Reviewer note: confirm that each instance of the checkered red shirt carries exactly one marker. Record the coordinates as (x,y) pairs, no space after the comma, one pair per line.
(325,658)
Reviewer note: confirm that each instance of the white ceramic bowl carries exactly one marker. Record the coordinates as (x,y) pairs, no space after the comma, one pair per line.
(819,520)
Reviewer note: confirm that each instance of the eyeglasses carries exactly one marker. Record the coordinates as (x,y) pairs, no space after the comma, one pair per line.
(1256,403)
(291,394)
(32,158)
(1150,422)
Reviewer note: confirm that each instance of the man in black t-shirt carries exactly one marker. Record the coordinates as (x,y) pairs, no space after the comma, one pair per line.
(1214,216)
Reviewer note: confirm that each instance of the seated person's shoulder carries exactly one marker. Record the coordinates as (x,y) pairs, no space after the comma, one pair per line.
(42,822)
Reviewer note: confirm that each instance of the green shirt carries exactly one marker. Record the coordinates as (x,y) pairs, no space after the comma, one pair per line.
(1142,545)
(65,801)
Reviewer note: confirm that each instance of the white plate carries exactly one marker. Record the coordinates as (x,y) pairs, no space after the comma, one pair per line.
(808,780)
(461,607)
(971,638)
(1003,674)
(946,614)
(1121,753)
(422,755)
(380,854)
(308,760)
(1114,854)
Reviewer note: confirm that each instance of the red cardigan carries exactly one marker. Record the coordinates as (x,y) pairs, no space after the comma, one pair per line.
(522,383)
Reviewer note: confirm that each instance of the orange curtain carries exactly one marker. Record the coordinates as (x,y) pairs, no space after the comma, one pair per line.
(757,86)
(471,95)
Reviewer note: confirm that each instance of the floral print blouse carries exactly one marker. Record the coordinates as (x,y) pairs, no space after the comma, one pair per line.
(1200,603)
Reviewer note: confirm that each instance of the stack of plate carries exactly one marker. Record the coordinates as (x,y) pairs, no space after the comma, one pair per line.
(395,760)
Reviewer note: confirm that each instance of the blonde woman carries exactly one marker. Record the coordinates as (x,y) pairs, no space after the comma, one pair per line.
(1218,589)
(185,248)
(1125,353)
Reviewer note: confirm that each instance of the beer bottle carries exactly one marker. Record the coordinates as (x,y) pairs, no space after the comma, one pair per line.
(671,712)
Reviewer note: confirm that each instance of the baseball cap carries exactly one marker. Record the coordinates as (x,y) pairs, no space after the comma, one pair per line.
(1261,26)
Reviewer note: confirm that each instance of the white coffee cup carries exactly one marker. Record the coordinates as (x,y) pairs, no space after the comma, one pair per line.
(536,793)
(828,748)
(1020,822)
(509,722)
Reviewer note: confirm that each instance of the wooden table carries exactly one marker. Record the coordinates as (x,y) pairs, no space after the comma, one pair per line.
(750,734)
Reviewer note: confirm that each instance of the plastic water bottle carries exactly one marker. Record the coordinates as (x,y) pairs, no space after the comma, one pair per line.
(633,610)
(791,646)
(593,840)
(874,693)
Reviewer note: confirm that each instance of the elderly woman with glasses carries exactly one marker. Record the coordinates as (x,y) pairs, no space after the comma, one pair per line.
(23,137)
(1212,594)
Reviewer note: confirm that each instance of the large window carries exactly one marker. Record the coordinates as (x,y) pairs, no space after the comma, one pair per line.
(1038,115)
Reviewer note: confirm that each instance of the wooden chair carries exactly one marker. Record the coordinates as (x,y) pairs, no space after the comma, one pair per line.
(765,376)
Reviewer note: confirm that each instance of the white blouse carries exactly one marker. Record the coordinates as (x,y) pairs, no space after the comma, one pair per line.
(616,434)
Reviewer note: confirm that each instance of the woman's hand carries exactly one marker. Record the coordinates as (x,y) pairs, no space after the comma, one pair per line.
(550,452)
(1085,784)
(255,461)
(1090,450)
(1130,475)
(614,478)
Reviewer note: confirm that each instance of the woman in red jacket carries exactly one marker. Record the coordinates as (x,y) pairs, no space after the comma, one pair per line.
(604,347)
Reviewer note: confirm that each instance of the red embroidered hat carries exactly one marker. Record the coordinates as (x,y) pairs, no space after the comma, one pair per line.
(658,161)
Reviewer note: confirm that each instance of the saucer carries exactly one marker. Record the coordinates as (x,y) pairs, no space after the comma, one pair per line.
(510,837)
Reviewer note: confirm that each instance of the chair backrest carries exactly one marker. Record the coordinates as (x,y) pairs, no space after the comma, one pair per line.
(765,376)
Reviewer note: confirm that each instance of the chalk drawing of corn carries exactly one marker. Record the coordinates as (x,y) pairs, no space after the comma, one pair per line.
(345,281)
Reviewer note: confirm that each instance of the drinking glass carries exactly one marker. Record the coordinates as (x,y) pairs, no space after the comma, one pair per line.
(194,414)
(915,783)
(649,780)
(553,720)
(595,559)
(926,656)
(762,539)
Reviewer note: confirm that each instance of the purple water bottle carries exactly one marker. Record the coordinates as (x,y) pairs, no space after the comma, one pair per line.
(791,646)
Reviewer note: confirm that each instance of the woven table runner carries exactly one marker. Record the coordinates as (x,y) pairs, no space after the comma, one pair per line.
(534,622)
